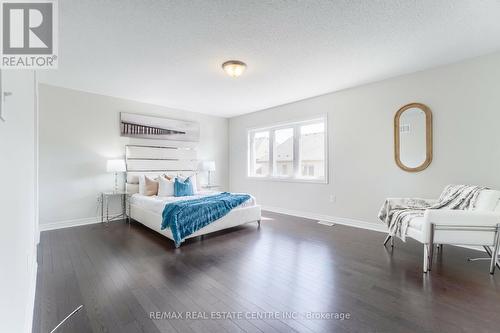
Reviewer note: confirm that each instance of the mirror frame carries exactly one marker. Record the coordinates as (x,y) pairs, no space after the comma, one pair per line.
(428,137)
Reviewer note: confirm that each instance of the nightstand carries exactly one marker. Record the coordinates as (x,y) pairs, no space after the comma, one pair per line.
(105,198)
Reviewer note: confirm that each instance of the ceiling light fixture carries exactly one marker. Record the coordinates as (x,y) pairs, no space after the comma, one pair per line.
(234,68)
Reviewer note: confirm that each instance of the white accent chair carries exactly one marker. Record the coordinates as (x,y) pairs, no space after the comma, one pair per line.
(476,227)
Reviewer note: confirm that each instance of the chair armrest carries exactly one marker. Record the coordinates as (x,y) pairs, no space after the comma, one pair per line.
(461,217)
(458,218)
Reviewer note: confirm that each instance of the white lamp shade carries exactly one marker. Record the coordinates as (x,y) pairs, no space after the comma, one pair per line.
(116,166)
(208,166)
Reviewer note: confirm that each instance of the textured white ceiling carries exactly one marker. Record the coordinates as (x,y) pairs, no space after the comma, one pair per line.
(169,52)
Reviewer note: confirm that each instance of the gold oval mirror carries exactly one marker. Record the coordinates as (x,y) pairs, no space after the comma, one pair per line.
(413,137)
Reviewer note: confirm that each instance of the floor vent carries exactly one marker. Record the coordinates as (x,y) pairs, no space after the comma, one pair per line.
(327,223)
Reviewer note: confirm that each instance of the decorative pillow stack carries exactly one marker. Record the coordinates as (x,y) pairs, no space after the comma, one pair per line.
(167,186)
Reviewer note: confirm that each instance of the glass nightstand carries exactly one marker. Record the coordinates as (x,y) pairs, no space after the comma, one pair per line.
(125,203)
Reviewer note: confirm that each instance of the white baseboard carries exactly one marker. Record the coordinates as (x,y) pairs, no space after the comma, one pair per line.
(321,217)
(69,223)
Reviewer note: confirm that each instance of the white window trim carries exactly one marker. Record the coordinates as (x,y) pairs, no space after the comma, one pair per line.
(295,124)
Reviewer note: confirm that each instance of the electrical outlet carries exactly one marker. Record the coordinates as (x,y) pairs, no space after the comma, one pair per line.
(332,198)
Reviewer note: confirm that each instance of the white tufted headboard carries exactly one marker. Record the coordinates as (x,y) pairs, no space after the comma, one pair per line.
(157,160)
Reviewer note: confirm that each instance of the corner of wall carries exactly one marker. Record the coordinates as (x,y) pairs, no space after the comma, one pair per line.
(30,306)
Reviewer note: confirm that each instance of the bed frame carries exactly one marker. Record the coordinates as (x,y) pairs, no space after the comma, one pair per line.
(157,160)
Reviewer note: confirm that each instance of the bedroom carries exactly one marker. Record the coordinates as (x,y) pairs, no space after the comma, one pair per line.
(305,128)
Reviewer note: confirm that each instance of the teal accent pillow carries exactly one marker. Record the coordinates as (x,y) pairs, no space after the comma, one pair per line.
(183,188)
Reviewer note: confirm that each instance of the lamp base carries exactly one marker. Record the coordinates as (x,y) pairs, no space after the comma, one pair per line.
(116,182)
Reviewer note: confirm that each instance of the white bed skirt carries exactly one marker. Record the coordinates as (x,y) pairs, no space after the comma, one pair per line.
(235,217)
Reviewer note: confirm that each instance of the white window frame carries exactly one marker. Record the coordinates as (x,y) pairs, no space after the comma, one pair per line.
(296,151)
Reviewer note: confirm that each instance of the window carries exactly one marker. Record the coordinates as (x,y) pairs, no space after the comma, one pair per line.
(260,149)
(294,151)
(312,150)
(307,170)
(283,152)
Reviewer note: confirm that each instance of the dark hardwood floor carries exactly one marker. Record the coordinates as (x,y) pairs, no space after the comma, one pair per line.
(293,266)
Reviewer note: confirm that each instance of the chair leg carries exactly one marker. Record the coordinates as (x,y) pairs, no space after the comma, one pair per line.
(389,237)
(494,254)
(430,250)
(490,254)
(426,259)
(431,255)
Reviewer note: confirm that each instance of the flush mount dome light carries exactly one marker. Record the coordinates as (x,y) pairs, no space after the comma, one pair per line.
(234,68)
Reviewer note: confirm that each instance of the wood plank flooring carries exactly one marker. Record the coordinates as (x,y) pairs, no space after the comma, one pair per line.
(121,273)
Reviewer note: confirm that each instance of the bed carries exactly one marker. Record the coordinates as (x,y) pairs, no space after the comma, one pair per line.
(157,160)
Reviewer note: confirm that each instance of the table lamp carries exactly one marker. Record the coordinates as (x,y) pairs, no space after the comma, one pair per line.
(116,166)
(210,167)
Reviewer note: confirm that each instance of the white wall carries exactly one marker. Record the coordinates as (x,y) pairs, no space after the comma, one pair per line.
(18,235)
(465,101)
(79,131)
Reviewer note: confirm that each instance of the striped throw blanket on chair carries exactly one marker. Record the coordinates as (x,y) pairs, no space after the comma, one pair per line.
(397,213)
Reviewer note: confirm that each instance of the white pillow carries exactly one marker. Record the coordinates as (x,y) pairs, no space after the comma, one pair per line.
(487,200)
(142,184)
(165,187)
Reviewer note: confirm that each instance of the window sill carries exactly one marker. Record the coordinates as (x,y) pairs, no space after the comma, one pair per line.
(289,180)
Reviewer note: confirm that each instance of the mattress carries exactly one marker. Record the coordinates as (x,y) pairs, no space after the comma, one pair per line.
(156,204)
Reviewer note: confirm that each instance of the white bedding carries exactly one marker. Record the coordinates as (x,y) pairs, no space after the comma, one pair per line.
(156,204)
